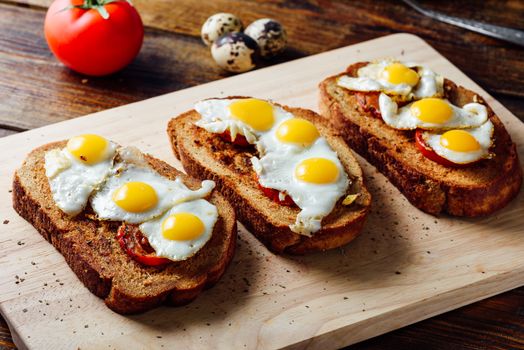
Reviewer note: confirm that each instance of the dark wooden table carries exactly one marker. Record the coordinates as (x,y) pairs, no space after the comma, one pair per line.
(36,90)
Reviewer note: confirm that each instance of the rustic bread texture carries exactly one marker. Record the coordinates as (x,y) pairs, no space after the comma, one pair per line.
(475,190)
(206,155)
(93,253)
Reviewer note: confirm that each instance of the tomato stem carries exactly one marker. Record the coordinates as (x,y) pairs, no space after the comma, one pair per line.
(97,5)
(94,3)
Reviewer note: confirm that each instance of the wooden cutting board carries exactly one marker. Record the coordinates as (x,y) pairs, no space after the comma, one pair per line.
(406,266)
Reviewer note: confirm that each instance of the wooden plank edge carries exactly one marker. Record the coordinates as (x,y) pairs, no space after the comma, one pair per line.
(17,339)
(381,324)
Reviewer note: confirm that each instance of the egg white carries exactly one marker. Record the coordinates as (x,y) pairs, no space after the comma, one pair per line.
(276,170)
(429,85)
(72,181)
(181,250)
(169,192)
(483,134)
(371,78)
(470,115)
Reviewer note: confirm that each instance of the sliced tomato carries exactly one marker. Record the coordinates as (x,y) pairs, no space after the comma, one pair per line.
(429,153)
(136,245)
(274,195)
(368,101)
(240,140)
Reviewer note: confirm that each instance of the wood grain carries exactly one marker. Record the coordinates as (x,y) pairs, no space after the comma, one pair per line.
(36,90)
(496,323)
(406,266)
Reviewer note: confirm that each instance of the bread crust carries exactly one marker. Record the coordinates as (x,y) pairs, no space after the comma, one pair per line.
(93,253)
(478,190)
(201,155)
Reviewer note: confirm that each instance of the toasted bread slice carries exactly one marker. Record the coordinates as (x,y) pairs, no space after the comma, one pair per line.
(206,155)
(93,253)
(475,190)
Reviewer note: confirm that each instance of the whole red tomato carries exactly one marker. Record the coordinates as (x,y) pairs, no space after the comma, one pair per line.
(94,37)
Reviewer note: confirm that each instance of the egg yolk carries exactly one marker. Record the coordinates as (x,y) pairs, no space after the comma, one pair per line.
(256,113)
(459,141)
(397,73)
(317,171)
(432,110)
(89,149)
(182,227)
(135,197)
(298,131)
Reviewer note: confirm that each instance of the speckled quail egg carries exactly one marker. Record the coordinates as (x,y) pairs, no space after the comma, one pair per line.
(218,25)
(235,52)
(270,36)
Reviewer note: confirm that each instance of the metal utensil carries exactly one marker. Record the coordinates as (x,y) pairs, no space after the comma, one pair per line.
(508,34)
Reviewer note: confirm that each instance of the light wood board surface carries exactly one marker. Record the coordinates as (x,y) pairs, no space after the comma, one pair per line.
(406,265)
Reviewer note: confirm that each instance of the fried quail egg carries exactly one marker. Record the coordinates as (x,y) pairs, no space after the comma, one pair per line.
(135,194)
(270,36)
(294,158)
(462,146)
(218,25)
(431,114)
(268,126)
(235,52)
(183,230)
(314,178)
(289,135)
(395,78)
(77,170)
(249,117)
